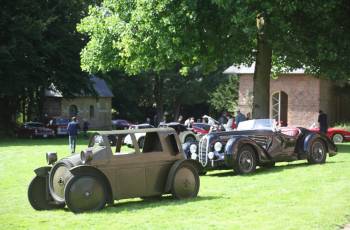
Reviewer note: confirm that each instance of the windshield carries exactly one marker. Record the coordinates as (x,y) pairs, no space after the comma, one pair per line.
(257,124)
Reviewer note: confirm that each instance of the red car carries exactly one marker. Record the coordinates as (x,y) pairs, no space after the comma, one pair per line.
(200,128)
(34,129)
(59,125)
(338,135)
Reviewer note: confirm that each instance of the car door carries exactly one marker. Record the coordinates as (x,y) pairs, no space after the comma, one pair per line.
(282,147)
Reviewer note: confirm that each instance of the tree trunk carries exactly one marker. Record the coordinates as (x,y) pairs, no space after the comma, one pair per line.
(9,107)
(177,107)
(263,64)
(158,98)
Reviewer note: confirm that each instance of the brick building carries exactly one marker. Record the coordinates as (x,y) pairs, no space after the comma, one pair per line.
(96,110)
(296,97)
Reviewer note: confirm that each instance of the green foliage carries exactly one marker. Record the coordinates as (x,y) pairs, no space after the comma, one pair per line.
(307,194)
(225,96)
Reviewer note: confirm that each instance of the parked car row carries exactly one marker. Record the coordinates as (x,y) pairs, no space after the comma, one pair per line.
(161,165)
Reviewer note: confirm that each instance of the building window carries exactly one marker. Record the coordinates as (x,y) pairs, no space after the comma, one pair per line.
(92,112)
(279,107)
(73,110)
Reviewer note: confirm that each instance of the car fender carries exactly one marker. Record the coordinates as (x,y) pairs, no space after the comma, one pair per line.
(173,169)
(233,145)
(43,171)
(310,137)
(90,170)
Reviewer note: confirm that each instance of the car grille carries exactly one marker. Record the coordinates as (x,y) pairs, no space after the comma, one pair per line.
(203,151)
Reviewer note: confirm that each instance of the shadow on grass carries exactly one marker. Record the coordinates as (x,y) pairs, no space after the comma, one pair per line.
(137,204)
(344,148)
(276,169)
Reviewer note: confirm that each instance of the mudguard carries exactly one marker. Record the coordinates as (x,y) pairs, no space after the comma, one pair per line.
(43,171)
(310,137)
(233,145)
(88,170)
(173,168)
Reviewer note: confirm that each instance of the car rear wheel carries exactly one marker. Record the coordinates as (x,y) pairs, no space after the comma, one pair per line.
(37,195)
(338,138)
(246,160)
(317,154)
(185,182)
(85,193)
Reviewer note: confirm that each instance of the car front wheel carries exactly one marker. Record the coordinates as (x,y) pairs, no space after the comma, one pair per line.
(317,154)
(85,193)
(37,195)
(338,138)
(246,160)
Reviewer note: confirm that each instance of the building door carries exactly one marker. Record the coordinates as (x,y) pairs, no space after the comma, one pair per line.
(279,107)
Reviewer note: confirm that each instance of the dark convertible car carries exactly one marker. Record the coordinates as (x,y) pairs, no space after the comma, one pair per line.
(259,143)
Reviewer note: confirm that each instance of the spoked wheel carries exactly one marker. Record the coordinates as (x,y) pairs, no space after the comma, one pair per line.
(37,195)
(246,161)
(317,153)
(85,193)
(185,182)
(338,138)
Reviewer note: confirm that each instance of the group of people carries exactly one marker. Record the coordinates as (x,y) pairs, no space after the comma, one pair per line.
(227,121)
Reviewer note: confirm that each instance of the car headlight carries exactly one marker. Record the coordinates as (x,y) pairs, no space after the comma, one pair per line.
(193,148)
(86,156)
(217,146)
(51,157)
(194,156)
(210,155)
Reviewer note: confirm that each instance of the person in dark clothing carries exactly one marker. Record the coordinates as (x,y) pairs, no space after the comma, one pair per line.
(223,119)
(323,123)
(72,129)
(85,128)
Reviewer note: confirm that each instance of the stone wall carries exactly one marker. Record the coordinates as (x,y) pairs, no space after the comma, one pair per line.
(101,116)
(303,97)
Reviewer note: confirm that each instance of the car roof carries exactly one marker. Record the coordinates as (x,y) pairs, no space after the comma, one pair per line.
(128,131)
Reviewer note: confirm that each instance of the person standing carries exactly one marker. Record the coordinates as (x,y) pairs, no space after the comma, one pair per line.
(239,117)
(322,121)
(72,129)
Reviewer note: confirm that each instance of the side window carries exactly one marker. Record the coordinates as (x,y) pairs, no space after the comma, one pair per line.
(171,141)
(121,148)
(151,143)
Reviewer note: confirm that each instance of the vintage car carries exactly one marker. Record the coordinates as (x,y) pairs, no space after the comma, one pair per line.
(259,143)
(140,137)
(101,174)
(185,134)
(59,125)
(338,135)
(120,124)
(201,128)
(34,129)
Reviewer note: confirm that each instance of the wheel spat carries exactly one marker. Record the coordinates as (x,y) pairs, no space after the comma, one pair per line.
(85,193)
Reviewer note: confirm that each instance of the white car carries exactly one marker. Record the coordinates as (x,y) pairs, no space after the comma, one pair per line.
(140,137)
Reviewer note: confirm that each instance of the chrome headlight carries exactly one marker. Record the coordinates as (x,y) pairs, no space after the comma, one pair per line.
(210,155)
(51,157)
(193,149)
(86,156)
(194,156)
(217,146)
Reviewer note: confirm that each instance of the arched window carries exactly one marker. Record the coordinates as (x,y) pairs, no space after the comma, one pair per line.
(279,107)
(73,110)
(92,112)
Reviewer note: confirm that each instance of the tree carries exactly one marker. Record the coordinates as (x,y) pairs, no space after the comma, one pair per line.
(156,36)
(40,46)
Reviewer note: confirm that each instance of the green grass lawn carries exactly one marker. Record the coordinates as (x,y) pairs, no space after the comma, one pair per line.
(289,196)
